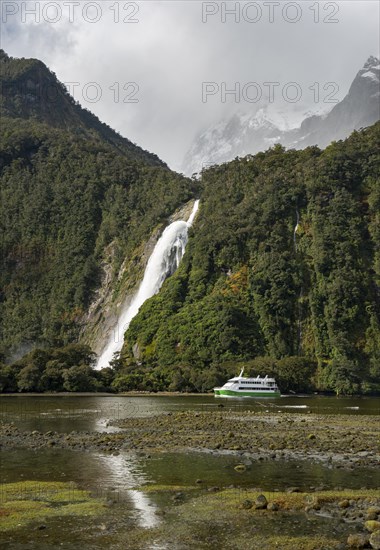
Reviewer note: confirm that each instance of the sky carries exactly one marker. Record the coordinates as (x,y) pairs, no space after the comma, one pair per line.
(160,72)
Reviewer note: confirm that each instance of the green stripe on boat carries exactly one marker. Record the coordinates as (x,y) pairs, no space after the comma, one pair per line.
(248,387)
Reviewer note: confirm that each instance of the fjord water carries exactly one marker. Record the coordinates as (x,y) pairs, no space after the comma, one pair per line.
(64,413)
(92,413)
(118,477)
(163,262)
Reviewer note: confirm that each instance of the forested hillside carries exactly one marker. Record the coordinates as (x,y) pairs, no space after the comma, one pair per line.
(30,91)
(281,272)
(65,196)
(283,266)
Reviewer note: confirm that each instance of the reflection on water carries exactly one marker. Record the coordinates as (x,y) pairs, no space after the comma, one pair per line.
(117,480)
(114,477)
(93,413)
(124,471)
(118,477)
(147,517)
(110,477)
(219,470)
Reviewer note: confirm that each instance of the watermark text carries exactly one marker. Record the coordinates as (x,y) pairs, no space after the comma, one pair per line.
(253,92)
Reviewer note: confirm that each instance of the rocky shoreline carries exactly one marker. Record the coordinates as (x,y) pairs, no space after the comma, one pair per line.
(321,518)
(341,441)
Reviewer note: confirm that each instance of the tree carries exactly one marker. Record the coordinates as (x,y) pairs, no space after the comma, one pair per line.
(341,375)
(29,379)
(105,378)
(8,381)
(53,376)
(80,379)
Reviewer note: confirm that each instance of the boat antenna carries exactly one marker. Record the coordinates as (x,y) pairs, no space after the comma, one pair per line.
(241,373)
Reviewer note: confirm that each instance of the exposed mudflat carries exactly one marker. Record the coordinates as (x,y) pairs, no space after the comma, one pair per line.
(344,441)
(231,517)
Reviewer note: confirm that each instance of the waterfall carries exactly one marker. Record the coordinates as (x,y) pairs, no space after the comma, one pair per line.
(295,230)
(299,329)
(162,263)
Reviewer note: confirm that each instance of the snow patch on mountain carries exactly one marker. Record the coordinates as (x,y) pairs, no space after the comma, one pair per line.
(248,133)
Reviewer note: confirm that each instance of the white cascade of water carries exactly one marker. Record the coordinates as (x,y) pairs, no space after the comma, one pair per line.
(295,230)
(301,289)
(162,263)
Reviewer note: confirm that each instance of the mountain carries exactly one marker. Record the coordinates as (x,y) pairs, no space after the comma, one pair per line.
(238,136)
(29,90)
(78,204)
(281,271)
(359,109)
(249,133)
(282,274)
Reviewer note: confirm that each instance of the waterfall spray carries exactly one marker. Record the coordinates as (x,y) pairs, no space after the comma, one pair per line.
(163,262)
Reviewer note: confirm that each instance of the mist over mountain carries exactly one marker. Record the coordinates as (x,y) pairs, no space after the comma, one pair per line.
(245,134)
(282,264)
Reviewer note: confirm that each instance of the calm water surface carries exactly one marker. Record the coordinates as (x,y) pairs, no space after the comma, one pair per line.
(65,413)
(119,477)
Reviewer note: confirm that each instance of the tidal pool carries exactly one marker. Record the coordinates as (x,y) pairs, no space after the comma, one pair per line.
(169,500)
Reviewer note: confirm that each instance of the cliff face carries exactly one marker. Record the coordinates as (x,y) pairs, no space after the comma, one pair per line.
(77,200)
(118,288)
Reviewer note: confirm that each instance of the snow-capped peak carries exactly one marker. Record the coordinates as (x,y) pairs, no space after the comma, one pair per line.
(372,63)
(249,132)
(371,69)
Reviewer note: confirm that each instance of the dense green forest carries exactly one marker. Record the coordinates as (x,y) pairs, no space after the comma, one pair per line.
(65,196)
(68,368)
(281,273)
(283,266)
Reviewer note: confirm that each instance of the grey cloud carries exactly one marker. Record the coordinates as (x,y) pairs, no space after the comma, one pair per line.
(170,52)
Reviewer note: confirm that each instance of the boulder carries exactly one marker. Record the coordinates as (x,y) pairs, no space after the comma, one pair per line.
(261,502)
(246,504)
(372,525)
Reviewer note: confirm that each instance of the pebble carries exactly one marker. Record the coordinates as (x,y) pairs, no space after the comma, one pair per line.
(357,540)
(374,540)
(344,503)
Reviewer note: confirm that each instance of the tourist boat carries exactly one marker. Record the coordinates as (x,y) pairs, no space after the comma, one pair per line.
(248,387)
